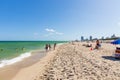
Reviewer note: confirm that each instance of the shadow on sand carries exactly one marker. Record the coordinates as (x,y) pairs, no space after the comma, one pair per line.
(110,58)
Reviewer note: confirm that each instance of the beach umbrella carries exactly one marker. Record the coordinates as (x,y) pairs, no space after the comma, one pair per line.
(116,41)
(117,51)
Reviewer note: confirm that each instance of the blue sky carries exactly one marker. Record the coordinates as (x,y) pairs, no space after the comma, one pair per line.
(58,19)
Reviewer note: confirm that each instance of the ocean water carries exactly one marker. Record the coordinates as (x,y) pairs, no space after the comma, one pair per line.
(14,51)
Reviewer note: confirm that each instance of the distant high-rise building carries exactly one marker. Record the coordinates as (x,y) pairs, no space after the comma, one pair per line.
(102,38)
(82,38)
(113,36)
(90,38)
(86,39)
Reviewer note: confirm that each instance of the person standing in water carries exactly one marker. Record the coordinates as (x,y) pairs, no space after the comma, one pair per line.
(54,46)
(46,47)
(49,47)
(23,49)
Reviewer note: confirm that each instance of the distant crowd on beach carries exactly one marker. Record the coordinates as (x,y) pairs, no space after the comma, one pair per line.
(97,45)
(48,47)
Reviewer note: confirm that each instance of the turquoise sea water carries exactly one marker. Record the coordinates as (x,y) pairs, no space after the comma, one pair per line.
(11,49)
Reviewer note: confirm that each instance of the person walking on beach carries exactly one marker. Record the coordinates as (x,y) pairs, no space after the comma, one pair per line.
(49,46)
(54,46)
(46,47)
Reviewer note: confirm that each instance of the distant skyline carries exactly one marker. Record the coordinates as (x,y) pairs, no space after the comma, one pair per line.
(58,19)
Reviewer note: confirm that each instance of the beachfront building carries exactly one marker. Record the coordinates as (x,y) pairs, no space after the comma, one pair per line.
(102,38)
(90,38)
(82,38)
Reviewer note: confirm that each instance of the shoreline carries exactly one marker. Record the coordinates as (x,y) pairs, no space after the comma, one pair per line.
(11,70)
(18,58)
(37,68)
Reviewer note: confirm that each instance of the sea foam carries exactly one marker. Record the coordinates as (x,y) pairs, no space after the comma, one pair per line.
(14,60)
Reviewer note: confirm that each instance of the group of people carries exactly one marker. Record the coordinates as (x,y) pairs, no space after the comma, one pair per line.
(48,47)
(97,45)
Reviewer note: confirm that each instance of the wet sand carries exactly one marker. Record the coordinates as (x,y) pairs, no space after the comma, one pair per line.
(8,72)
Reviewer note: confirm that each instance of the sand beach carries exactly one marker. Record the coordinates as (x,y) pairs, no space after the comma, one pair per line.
(74,62)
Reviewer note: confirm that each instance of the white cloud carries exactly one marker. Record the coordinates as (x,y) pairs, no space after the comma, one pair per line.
(52,32)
